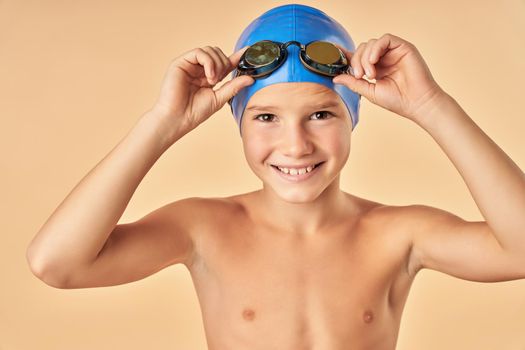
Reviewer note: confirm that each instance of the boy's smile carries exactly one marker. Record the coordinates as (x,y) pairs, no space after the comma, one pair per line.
(297,173)
(296,139)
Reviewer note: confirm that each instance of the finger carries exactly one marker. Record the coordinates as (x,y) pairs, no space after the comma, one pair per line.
(218,67)
(382,45)
(225,61)
(214,71)
(365,59)
(231,88)
(360,86)
(200,57)
(356,61)
(236,57)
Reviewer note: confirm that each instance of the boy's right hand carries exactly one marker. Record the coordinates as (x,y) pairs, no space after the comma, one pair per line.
(187,97)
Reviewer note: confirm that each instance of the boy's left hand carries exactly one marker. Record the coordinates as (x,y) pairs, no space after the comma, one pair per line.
(404,84)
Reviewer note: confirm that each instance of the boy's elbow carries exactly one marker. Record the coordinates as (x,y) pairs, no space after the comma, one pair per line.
(44,271)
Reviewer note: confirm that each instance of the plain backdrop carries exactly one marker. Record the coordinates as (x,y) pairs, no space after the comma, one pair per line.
(76,75)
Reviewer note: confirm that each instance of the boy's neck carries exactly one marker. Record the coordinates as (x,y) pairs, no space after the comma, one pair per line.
(305,219)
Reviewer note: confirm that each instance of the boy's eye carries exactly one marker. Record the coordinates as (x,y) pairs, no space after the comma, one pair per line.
(263,115)
(324,115)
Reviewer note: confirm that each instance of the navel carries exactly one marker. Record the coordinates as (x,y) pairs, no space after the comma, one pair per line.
(248,314)
(368,316)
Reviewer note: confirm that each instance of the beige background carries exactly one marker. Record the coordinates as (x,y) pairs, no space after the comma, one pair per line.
(76,75)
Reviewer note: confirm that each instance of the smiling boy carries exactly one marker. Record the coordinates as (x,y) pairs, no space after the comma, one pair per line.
(298,264)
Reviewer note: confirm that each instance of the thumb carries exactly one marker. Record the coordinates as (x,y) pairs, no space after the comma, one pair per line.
(231,88)
(360,86)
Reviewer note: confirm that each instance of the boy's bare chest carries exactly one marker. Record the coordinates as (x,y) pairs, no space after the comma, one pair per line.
(341,284)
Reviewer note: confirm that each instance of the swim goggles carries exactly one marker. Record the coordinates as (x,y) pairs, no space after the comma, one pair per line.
(265,56)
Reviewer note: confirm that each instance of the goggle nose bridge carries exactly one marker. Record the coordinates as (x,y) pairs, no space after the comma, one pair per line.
(293,42)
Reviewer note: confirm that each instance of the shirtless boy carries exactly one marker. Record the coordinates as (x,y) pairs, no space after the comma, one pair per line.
(298,264)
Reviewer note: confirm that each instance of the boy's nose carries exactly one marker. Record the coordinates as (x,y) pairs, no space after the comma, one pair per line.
(295,142)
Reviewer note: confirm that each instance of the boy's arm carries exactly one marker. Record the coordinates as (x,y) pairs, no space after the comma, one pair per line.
(71,239)
(81,244)
(488,250)
(138,249)
(491,250)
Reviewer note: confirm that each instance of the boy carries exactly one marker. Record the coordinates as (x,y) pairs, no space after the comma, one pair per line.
(299,264)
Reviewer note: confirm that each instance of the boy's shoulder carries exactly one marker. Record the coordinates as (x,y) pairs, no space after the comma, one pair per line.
(213,210)
(387,228)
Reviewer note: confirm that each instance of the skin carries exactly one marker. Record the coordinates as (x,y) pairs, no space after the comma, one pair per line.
(297,130)
(294,265)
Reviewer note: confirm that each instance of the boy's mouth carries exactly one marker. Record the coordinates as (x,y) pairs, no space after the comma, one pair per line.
(297,170)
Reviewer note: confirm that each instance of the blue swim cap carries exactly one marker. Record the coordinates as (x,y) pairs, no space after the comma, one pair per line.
(303,24)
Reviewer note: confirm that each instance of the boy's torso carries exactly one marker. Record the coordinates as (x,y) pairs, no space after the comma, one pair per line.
(344,288)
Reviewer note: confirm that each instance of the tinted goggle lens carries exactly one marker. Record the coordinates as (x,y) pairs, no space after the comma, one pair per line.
(262,53)
(323,52)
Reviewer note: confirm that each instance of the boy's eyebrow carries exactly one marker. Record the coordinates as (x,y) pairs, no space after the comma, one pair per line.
(319,106)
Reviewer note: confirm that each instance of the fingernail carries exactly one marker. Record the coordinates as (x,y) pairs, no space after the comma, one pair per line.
(367,72)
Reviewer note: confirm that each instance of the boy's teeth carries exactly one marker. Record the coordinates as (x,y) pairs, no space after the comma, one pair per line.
(293,171)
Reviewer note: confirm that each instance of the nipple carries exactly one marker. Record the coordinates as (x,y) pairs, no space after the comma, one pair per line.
(248,314)
(368,316)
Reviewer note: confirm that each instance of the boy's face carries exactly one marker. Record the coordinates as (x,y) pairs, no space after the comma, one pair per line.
(296,124)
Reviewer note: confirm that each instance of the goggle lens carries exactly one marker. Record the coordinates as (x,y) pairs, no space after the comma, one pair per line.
(262,53)
(323,52)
